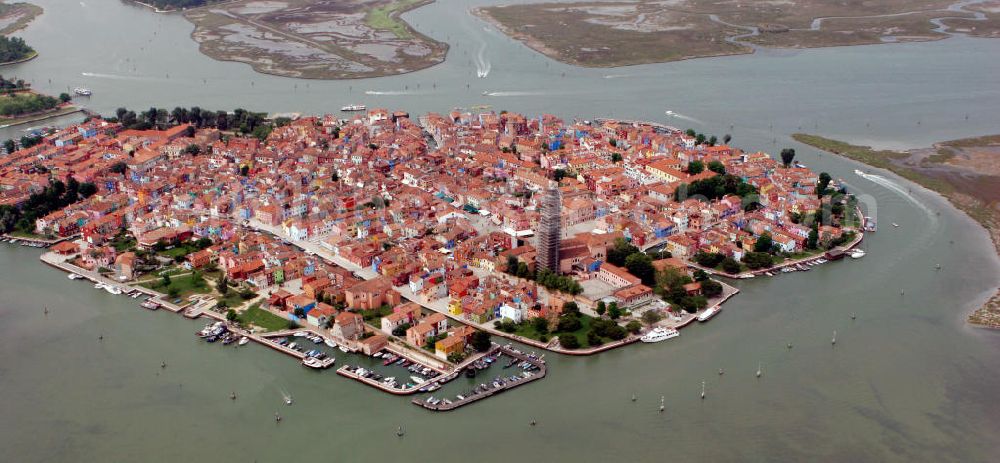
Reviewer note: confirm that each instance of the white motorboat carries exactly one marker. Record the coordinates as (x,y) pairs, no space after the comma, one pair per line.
(354,107)
(113,289)
(82,91)
(243,341)
(342,349)
(660,334)
(300,334)
(98,285)
(329,343)
(313,362)
(706,315)
(417,380)
(857,254)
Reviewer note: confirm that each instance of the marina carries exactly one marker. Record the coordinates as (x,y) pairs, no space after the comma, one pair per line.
(532,368)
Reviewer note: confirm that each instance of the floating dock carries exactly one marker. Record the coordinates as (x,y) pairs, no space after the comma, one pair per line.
(490,389)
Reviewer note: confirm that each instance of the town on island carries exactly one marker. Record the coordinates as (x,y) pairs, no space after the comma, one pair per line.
(415,250)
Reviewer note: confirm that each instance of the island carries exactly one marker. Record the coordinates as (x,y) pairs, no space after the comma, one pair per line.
(964,171)
(609,34)
(416,241)
(14,17)
(19,104)
(316,39)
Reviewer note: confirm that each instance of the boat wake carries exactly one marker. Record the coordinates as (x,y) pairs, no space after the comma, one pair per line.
(681,116)
(393,92)
(483,65)
(512,93)
(896,188)
(117,76)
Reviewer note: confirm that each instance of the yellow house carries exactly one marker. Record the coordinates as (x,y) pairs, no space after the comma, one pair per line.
(448,346)
(455,307)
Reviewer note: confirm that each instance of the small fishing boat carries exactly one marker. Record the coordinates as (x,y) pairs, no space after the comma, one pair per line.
(243,341)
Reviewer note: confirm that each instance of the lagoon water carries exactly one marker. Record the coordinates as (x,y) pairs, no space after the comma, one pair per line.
(907,380)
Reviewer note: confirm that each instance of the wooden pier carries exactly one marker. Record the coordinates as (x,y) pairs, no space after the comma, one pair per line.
(490,389)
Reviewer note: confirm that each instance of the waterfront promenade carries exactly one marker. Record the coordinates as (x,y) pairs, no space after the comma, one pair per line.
(441,305)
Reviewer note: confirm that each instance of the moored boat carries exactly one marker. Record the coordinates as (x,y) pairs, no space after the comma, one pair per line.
(707,314)
(660,334)
(243,341)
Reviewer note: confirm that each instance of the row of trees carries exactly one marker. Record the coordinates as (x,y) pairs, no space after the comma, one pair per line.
(715,188)
(546,278)
(701,139)
(12,84)
(55,196)
(27,103)
(13,49)
(240,120)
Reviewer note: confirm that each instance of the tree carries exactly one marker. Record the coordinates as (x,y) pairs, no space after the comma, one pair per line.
(726,138)
(758,260)
(10,146)
(568,341)
(64,97)
(87,189)
(601,308)
(593,339)
(558,174)
(173,292)
(699,139)
(231,315)
(641,265)
(763,243)
(570,307)
(299,312)
(400,330)
(700,275)
(621,250)
(613,311)
(118,168)
(695,167)
(823,184)
(540,324)
(812,242)
(710,260)
(712,140)
(730,266)
(568,324)
(633,327)
(616,158)
(223,285)
(651,316)
(165,281)
(481,341)
(711,288)
(787,155)
(717,167)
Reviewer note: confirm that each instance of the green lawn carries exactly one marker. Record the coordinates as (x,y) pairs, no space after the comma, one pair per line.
(382,18)
(185,285)
(180,250)
(262,318)
(527,329)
